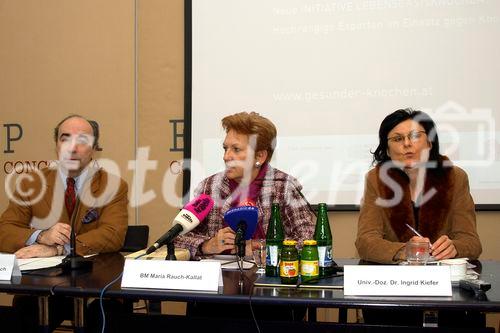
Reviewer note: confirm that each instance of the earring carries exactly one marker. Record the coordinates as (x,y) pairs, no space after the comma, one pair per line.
(257,164)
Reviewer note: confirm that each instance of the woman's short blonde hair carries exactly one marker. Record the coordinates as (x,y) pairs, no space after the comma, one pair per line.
(253,123)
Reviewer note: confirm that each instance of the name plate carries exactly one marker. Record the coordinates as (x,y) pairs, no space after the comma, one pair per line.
(174,275)
(376,280)
(8,267)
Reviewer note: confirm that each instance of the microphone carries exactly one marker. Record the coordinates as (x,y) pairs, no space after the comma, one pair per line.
(188,218)
(239,240)
(243,220)
(74,261)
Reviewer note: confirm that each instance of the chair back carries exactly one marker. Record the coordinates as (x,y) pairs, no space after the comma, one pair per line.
(136,238)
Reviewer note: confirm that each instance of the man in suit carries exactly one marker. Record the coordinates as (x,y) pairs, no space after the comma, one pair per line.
(37,221)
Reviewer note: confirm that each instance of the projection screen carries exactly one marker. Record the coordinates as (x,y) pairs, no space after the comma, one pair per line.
(327,73)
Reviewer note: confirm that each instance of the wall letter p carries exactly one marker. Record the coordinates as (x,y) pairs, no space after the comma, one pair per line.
(10,136)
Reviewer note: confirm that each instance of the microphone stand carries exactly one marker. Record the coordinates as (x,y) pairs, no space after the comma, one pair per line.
(74,261)
(240,247)
(170,251)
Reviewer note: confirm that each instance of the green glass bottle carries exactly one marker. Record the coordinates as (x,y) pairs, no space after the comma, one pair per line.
(323,236)
(274,242)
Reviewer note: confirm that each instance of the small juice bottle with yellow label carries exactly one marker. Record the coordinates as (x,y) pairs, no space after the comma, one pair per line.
(289,264)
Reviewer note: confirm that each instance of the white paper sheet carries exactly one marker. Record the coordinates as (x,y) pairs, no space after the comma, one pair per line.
(226,262)
(38,263)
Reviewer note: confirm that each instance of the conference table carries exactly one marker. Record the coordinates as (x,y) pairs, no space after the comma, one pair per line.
(238,288)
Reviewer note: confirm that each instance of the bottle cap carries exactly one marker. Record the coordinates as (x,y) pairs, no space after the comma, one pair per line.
(310,242)
(289,242)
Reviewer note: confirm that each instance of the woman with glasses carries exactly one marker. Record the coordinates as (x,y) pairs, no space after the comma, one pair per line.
(412,184)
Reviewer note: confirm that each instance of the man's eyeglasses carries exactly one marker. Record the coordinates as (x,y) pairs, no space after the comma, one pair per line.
(413,136)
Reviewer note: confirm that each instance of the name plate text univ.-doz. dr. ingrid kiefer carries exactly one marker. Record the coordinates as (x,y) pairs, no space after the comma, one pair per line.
(379,280)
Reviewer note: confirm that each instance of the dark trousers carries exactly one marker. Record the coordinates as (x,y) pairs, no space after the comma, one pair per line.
(7,323)
(25,314)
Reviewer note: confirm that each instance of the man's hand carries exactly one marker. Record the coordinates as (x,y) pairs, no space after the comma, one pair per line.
(58,234)
(36,251)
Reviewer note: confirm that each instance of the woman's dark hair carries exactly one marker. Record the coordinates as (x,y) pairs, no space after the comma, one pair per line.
(397,117)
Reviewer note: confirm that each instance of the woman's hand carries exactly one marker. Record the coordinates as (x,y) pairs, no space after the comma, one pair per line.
(222,241)
(443,248)
(420,239)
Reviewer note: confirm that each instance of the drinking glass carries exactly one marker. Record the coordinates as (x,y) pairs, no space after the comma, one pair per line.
(417,252)
(259,254)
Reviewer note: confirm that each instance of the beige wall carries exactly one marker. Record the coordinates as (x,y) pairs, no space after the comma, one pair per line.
(88,57)
(63,57)
(161,98)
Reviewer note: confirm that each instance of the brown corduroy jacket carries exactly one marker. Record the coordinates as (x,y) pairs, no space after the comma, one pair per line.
(382,232)
(101,219)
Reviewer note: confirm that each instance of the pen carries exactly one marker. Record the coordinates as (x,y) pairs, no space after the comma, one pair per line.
(414,231)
